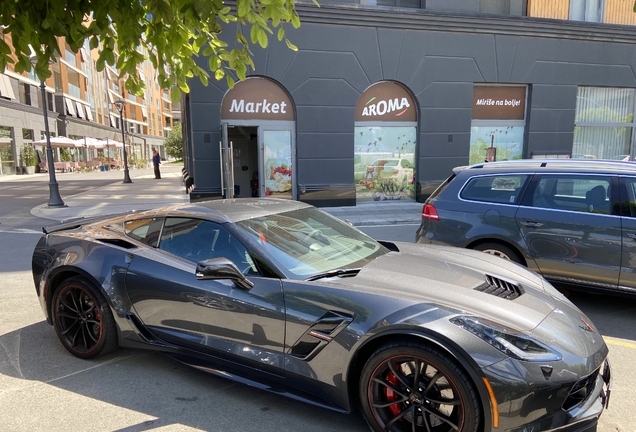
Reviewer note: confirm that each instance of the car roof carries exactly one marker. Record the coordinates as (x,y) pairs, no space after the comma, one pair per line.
(234,210)
(554,165)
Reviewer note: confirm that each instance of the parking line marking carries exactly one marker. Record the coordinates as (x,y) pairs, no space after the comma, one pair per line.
(612,341)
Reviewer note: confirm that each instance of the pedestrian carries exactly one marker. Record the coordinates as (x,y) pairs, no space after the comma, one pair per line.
(156,160)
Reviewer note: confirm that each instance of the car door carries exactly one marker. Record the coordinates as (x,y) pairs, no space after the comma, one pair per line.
(570,229)
(627,281)
(216,317)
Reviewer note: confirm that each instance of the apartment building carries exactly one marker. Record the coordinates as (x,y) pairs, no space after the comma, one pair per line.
(80,103)
(384,97)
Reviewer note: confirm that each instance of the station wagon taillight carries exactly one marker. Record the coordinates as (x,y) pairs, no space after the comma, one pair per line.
(430,212)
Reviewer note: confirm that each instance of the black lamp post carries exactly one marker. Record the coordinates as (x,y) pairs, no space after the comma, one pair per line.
(120,107)
(55,200)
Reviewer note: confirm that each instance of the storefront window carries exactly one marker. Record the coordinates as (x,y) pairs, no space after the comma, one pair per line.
(7,155)
(498,124)
(603,123)
(385,144)
(489,144)
(385,163)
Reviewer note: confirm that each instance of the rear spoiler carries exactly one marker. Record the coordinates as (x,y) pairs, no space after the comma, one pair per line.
(456,170)
(75,223)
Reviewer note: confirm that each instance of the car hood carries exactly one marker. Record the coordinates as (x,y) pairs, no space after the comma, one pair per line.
(448,276)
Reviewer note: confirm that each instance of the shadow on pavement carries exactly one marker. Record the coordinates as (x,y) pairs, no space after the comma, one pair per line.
(153,384)
(614,316)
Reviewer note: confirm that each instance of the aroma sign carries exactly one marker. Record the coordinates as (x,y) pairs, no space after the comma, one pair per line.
(386,101)
(383,107)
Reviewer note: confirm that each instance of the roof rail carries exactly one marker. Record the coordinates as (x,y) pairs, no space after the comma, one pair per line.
(564,163)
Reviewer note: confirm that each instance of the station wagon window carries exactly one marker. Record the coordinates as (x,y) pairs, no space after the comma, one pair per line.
(198,240)
(590,194)
(628,204)
(503,189)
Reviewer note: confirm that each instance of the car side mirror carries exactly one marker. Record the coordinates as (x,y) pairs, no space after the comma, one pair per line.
(221,268)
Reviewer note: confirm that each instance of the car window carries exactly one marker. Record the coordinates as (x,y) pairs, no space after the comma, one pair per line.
(629,208)
(308,241)
(580,193)
(495,188)
(198,240)
(144,230)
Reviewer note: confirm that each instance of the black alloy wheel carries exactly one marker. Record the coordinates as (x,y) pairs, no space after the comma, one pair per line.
(408,387)
(82,319)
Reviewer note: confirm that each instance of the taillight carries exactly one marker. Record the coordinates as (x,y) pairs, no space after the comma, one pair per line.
(430,212)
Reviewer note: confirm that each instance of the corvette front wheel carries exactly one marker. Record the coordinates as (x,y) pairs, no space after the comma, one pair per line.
(411,387)
(82,319)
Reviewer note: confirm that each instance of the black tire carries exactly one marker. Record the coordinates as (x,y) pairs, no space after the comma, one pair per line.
(82,319)
(390,400)
(500,250)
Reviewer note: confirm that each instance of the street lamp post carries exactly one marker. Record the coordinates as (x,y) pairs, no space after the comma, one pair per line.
(55,200)
(120,107)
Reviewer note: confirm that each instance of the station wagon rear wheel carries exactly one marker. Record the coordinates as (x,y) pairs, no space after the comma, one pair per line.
(82,319)
(408,387)
(499,250)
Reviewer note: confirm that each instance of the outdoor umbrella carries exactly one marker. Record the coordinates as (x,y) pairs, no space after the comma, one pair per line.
(58,141)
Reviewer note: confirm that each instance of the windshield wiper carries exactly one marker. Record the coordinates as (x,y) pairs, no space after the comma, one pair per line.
(336,272)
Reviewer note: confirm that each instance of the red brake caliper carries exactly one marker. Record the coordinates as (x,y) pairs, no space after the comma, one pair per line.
(390,394)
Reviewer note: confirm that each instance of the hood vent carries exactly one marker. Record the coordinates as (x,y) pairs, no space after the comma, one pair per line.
(500,288)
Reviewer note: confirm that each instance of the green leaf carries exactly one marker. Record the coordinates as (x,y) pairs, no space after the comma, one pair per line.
(295,21)
(218,75)
(230,81)
(175,95)
(262,38)
(290,45)
(281,34)
(183,85)
(4,48)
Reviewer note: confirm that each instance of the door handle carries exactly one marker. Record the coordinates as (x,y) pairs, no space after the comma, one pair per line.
(631,236)
(531,224)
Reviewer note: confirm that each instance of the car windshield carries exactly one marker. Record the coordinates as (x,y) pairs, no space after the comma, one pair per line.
(308,242)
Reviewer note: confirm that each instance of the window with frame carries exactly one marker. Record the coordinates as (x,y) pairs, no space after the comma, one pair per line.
(25,94)
(604,123)
(502,189)
(197,240)
(587,10)
(579,193)
(628,203)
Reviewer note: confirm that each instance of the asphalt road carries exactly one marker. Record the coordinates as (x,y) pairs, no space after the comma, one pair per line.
(43,388)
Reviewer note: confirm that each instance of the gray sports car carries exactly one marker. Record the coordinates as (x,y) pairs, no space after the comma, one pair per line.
(282,296)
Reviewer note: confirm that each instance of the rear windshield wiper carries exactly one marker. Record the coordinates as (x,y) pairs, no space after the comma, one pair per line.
(343,272)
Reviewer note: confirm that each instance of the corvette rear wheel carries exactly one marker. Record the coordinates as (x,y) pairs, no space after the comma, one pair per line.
(410,387)
(82,319)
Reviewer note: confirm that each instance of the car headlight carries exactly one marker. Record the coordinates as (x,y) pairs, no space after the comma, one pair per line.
(510,342)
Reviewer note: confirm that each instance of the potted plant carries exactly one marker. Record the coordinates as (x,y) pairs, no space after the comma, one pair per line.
(29,159)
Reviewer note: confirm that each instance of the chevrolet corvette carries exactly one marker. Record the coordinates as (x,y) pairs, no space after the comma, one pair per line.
(280,295)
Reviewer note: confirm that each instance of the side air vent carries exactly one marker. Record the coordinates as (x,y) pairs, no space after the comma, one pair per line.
(320,334)
(500,288)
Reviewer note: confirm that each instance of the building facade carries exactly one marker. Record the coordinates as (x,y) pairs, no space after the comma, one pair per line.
(382,100)
(80,103)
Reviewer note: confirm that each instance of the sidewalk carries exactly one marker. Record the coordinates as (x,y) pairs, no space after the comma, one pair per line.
(145,192)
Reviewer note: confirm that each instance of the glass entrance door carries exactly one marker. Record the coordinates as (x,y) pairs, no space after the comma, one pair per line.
(277,160)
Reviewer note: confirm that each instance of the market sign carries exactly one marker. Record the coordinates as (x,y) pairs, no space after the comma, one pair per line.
(257,99)
(386,101)
(499,103)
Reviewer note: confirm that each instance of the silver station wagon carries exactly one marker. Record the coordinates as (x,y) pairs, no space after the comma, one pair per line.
(573,221)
